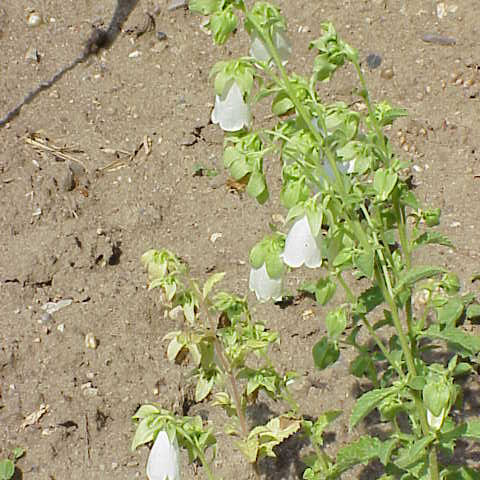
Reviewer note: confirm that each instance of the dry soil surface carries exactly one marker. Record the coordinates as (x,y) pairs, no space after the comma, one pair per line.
(133,127)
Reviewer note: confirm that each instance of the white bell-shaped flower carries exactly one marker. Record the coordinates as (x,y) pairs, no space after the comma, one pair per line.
(163,463)
(260,52)
(301,247)
(230,111)
(264,286)
(435,421)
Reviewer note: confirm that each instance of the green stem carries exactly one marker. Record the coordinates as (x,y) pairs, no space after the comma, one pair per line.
(371,112)
(302,111)
(376,338)
(224,363)
(434,475)
(205,465)
(383,348)
(387,295)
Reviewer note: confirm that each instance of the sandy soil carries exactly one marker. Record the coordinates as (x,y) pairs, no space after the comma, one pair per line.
(75,228)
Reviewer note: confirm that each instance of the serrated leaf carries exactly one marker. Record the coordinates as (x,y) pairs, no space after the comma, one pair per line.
(415,452)
(415,274)
(321,423)
(432,238)
(465,343)
(466,430)
(449,313)
(369,299)
(212,280)
(365,262)
(368,401)
(364,365)
(362,451)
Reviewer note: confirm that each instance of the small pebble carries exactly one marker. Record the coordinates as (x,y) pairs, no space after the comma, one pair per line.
(91,341)
(34,19)
(438,39)
(134,54)
(32,55)
(387,73)
(161,36)
(46,318)
(374,61)
(215,236)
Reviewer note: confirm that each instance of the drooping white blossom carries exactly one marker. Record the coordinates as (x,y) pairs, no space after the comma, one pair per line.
(435,421)
(231,111)
(163,462)
(260,52)
(301,247)
(264,286)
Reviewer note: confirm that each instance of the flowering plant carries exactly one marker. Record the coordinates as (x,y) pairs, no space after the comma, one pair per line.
(350,211)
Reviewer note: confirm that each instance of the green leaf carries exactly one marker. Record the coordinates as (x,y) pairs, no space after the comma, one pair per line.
(466,344)
(324,290)
(282,104)
(222,23)
(432,238)
(368,300)
(316,429)
(436,396)
(364,365)
(174,347)
(449,313)
(368,401)
(146,430)
(204,387)
(263,439)
(473,311)
(432,217)
(384,182)
(460,473)
(325,353)
(417,273)
(417,383)
(365,262)
(205,7)
(146,411)
(466,430)
(256,184)
(415,452)
(336,322)
(362,451)
(7,469)
(18,452)
(212,280)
